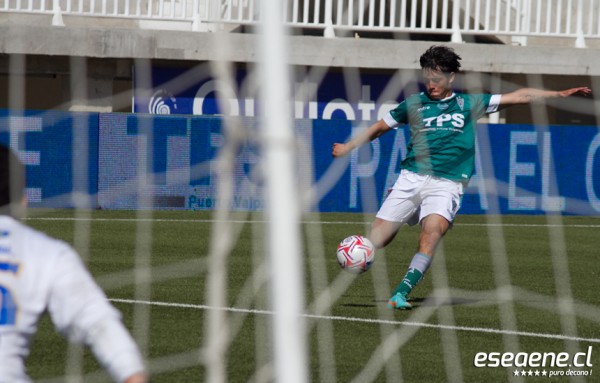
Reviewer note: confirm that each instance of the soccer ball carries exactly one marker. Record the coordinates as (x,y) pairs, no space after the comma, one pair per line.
(355,254)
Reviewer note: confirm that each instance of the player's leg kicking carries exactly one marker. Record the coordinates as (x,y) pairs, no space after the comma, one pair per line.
(431,201)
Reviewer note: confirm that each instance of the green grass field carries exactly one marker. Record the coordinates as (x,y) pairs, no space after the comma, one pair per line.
(465,305)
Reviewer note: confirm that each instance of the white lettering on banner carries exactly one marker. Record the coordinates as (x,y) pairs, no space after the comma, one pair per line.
(18,126)
(549,203)
(589,173)
(363,110)
(366,105)
(548,176)
(231,108)
(338,104)
(362,170)
(366,108)
(520,169)
(312,111)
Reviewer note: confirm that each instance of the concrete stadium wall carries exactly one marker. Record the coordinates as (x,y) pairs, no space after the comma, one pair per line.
(55,61)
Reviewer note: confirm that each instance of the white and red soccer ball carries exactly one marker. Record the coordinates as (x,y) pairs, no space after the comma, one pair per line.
(355,254)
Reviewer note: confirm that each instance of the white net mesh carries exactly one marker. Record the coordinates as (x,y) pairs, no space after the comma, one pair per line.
(216,239)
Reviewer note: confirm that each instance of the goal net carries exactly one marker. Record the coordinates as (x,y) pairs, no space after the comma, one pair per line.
(211,215)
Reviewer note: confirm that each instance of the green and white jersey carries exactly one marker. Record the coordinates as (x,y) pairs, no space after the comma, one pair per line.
(442,132)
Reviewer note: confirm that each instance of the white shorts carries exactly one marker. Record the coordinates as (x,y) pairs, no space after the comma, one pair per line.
(415,196)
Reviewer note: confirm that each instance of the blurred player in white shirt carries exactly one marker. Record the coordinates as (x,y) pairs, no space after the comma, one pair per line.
(39,273)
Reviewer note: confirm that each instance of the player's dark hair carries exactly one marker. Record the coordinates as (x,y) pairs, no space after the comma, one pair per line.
(12,179)
(442,58)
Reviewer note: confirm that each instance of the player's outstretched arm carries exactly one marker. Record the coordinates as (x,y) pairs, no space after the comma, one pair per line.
(529,95)
(367,135)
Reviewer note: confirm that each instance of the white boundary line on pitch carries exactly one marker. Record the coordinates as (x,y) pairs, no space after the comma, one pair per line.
(303,222)
(366,320)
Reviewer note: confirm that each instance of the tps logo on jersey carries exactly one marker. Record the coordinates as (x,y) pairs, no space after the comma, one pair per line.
(456,119)
(162,102)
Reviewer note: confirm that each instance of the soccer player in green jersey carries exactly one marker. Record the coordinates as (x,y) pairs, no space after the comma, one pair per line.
(439,160)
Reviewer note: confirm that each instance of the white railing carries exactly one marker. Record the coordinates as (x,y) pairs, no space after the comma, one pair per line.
(167,10)
(578,19)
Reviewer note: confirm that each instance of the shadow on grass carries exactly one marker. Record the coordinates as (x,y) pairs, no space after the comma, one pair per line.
(360,305)
(428,302)
(425,302)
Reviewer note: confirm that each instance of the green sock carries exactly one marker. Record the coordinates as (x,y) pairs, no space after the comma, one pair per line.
(417,268)
(412,277)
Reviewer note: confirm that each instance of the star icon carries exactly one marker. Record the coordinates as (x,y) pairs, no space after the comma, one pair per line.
(523,373)
(544,373)
(516,373)
(530,373)
(537,373)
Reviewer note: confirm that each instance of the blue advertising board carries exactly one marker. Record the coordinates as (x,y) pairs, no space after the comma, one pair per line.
(133,161)
(348,94)
(60,154)
(519,168)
